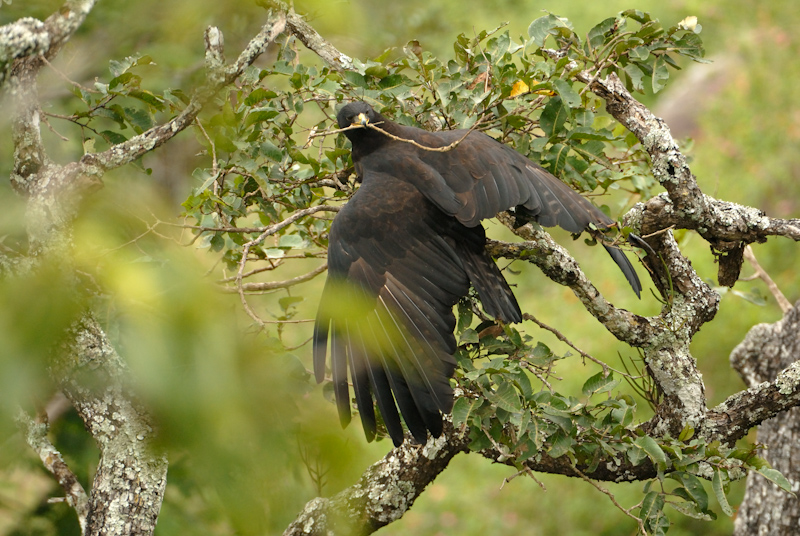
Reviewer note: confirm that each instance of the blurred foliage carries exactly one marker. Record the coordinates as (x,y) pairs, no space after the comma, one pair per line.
(250,439)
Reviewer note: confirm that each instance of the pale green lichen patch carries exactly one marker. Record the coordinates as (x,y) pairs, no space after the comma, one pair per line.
(789,379)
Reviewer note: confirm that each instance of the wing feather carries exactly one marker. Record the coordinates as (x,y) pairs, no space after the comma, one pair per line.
(387,306)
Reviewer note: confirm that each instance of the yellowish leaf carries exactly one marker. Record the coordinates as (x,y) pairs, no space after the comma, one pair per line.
(519,88)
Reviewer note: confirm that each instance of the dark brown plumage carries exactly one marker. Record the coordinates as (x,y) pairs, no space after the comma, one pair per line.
(406,248)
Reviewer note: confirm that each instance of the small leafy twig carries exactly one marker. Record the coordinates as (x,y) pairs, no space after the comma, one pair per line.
(760,273)
(560,336)
(610,495)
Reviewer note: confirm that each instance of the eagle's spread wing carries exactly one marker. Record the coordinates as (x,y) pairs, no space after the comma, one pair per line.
(397,265)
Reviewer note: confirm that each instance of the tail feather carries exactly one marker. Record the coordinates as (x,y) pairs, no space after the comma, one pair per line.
(627,268)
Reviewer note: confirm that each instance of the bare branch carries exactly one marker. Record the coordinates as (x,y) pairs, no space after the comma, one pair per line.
(273,285)
(312,40)
(443,149)
(784,304)
(723,221)
(36,436)
(601,489)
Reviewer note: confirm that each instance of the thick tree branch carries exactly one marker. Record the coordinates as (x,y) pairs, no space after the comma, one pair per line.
(96,381)
(556,263)
(723,222)
(732,419)
(769,354)
(385,491)
(36,436)
(312,40)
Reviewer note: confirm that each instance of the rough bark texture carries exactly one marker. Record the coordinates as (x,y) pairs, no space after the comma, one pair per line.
(128,487)
(765,353)
(385,491)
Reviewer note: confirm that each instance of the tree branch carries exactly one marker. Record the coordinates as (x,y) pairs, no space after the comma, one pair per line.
(769,354)
(385,491)
(96,381)
(217,77)
(36,436)
(312,40)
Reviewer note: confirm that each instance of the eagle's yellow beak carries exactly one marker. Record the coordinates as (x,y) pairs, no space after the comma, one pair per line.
(361,119)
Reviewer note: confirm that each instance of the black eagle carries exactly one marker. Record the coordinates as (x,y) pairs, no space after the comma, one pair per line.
(406,248)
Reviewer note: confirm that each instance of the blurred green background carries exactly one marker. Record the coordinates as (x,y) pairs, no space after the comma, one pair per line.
(250,439)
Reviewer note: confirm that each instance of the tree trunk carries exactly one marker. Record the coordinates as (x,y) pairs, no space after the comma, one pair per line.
(766,509)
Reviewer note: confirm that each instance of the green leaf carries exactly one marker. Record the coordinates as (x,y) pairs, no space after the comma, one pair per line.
(599,384)
(690,509)
(660,74)
(588,133)
(597,35)
(258,116)
(636,455)
(293,241)
(653,450)
(506,397)
(686,434)
(355,79)
(584,118)
(560,444)
(690,45)
(650,31)
(719,490)
(553,117)
(148,97)
(139,119)
(652,505)
(113,137)
(271,151)
(547,25)
(462,410)
(636,75)
(637,15)
(522,382)
(558,157)
(755,297)
(561,419)
(694,487)
(479,439)
(256,96)
(568,95)
(470,336)
(289,301)
(776,477)
(393,80)
(377,71)
(639,53)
